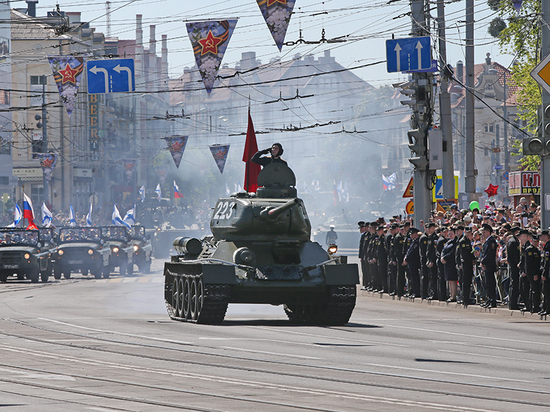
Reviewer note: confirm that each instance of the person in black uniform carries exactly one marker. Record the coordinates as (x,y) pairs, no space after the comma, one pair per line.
(371,256)
(545,274)
(467,260)
(513,255)
(533,271)
(448,258)
(392,258)
(363,231)
(406,245)
(412,260)
(489,265)
(431,260)
(525,240)
(276,151)
(423,246)
(441,284)
(398,244)
(459,232)
(382,261)
(366,247)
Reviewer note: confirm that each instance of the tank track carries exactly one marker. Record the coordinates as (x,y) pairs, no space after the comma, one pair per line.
(335,312)
(213,303)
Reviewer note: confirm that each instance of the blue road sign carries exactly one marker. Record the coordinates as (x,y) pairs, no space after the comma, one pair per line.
(433,69)
(413,53)
(110,76)
(498,167)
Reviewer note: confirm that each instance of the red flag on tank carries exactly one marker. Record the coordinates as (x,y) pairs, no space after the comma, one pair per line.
(250,148)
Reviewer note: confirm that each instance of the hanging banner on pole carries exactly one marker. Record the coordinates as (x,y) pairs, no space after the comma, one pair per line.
(47,161)
(277,15)
(219,152)
(67,72)
(176,145)
(209,40)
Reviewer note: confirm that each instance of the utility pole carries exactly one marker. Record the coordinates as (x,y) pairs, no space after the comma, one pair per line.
(470,178)
(445,107)
(421,122)
(45,183)
(505,137)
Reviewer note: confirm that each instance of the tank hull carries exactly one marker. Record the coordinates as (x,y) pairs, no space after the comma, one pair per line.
(199,290)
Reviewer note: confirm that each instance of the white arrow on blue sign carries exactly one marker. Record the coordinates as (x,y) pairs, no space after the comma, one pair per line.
(110,76)
(413,53)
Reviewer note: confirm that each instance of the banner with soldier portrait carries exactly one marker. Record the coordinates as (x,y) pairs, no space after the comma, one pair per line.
(209,40)
(219,152)
(47,161)
(67,72)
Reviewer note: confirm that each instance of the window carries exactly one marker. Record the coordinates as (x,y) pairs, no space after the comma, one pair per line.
(38,80)
(5,148)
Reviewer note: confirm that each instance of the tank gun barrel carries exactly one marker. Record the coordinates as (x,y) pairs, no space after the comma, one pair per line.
(272,213)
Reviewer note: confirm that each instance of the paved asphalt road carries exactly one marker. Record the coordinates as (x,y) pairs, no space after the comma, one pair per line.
(108,345)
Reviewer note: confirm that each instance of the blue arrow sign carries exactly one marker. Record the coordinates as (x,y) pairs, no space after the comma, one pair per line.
(413,53)
(110,76)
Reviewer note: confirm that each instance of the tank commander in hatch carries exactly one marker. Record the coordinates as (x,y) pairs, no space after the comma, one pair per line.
(276,151)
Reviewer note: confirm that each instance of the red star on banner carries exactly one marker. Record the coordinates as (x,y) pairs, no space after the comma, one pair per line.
(68,74)
(270,2)
(210,44)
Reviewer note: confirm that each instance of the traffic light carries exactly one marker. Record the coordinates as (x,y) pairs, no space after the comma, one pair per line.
(38,117)
(417,144)
(539,145)
(409,90)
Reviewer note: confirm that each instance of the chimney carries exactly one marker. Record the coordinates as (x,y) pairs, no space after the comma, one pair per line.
(31,7)
(164,59)
(152,40)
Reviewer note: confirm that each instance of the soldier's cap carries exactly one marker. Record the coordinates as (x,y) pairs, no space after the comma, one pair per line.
(506,226)
(487,227)
(468,229)
(394,226)
(413,230)
(545,232)
(454,206)
(459,227)
(467,219)
(430,224)
(514,229)
(361,223)
(373,224)
(406,224)
(534,236)
(380,228)
(524,232)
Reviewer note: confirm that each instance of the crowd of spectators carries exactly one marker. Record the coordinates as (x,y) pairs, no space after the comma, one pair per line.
(494,256)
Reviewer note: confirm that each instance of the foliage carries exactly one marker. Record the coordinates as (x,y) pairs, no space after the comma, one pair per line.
(496,26)
(522,38)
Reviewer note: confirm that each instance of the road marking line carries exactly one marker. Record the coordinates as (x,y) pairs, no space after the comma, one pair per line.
(269,353)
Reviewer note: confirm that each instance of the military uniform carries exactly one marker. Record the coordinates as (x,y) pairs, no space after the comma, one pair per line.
(398,246)
(546,274)
(424,273)
(382,264)
(392,263)
(413,266)
(467,262)
(441,285)
(489,260)
(432,271)
(533,271)
(362,259)
(513,255)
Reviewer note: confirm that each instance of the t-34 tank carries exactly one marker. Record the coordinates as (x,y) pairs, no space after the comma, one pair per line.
(260,252)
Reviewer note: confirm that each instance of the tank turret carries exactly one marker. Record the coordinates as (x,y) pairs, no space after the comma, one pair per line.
(275,211)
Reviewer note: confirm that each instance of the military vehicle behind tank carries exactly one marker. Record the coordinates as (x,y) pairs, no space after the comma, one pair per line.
(259,252)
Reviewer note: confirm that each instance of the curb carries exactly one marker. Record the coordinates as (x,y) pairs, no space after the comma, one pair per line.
(498,311)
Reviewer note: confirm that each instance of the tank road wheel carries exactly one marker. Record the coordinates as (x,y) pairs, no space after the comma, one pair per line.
(176,297)
(186,298)
(196,298)
(340,306)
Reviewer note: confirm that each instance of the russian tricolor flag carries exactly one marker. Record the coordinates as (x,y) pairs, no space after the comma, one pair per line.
(177,193)
(28,211)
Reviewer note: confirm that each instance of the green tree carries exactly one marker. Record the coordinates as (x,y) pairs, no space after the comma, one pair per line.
(521,37)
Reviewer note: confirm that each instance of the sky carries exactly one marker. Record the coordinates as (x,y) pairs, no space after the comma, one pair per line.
(365,25)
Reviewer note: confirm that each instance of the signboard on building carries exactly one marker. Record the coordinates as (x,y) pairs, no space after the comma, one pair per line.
(27,172)
(94,122)
(524,183)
